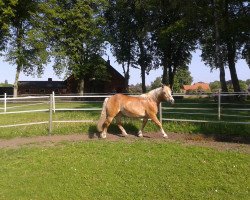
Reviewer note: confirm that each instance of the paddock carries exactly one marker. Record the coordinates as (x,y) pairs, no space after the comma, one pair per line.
(74,163)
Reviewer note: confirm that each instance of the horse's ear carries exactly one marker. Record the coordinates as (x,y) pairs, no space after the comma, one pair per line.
(162,85)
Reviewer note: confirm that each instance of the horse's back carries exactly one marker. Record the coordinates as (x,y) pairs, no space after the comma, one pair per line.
(130,106)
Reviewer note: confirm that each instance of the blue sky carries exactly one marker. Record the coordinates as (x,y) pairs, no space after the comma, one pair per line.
(198,70)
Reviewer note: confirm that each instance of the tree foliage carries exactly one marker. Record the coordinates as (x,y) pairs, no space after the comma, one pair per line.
(75,36)
(20,43)
(142,34)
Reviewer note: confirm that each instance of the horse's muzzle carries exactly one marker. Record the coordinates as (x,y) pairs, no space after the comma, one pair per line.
(171,100)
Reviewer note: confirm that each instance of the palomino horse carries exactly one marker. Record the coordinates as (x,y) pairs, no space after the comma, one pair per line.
(144,106)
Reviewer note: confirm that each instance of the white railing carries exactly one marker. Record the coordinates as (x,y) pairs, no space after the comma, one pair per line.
(216,109)
(52,101)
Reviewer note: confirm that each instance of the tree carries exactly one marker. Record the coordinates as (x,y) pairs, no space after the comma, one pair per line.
(226,36)
(182,77)
(215,86)
(156,83)
(75,35)
(143,37)
(22,46)
(120,34)
(174,35)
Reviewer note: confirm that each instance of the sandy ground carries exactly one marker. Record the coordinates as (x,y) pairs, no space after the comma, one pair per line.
(218,143)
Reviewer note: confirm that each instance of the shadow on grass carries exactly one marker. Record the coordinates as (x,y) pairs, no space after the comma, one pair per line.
(114,130)
(231,133)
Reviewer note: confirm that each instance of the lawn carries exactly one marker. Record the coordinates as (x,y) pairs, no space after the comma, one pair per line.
(131,125)
(123,169)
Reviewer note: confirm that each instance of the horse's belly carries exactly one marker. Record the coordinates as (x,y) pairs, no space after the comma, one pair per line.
(133,112)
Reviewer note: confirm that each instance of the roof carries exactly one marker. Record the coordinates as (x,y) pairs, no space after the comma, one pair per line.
(42,84)
(197,86)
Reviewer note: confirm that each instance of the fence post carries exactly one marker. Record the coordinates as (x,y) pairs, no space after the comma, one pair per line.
(5,102)
(160,112)
(219,103)
(54,103)
(50,113)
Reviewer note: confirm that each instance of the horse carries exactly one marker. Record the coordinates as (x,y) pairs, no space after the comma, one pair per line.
(144,106)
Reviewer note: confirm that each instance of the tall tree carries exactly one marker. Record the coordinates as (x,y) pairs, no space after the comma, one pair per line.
(226,36)
(174,35)
(76,37)
(144,42)
(22,46)
(120,32)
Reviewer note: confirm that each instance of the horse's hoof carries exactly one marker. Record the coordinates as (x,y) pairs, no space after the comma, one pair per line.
(124,134)
(140,135)
(103,136)
(165,136)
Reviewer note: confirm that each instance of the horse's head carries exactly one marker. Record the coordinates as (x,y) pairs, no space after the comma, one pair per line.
(166,92)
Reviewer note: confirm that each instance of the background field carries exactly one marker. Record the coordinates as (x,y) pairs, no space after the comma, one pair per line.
(205,109)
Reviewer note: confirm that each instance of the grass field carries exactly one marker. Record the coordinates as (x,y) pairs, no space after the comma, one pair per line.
(123,170)
(176,111)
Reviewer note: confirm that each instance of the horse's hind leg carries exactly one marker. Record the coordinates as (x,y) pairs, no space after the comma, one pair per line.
(119,124)
(144,122)
(154,118)
(105,126)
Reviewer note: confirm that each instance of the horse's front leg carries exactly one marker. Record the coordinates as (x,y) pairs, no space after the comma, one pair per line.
(154,118)
(144,122)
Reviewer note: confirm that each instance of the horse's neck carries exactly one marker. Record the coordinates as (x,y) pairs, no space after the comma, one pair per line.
(153,95)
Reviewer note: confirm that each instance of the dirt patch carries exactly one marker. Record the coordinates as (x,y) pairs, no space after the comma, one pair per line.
(185,139)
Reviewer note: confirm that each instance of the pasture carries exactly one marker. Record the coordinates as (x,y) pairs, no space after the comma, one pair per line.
(126,168)
(139,169)
(203,109)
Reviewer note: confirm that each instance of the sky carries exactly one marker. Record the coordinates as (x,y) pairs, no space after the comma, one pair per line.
(199,72)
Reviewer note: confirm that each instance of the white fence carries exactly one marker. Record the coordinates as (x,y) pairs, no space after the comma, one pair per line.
(215,109)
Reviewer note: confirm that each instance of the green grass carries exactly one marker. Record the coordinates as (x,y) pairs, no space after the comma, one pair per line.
(123,170)
(131,125)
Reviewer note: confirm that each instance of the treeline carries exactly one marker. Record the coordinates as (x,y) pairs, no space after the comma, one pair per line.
(145,34)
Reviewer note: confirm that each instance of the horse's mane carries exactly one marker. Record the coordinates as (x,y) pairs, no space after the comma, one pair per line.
(153,94)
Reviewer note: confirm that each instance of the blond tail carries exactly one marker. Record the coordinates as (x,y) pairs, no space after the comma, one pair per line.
(103,116)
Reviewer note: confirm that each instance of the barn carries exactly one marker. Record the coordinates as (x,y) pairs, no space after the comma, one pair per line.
(115,83)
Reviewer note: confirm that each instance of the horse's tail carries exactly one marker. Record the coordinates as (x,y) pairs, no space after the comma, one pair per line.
(103,116)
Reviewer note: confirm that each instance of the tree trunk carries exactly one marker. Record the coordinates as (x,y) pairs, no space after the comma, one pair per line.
(18,61)
(143,79)
(165,75)
(143,65)
(231,53)
(223,82)
(126,75)
(18,70)
(81,87)
(231,65)
(171,77)
(218,59)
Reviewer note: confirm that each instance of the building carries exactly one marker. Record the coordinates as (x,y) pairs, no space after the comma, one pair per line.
(41,87)
(6,89)
(199,87)
(115,83)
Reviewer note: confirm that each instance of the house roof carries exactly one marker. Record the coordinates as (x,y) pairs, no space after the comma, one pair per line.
(197,86)
(42,84)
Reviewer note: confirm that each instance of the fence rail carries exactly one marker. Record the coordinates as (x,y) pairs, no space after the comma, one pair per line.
(216,109)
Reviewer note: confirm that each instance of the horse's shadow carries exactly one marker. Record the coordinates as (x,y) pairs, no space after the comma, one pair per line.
(114,130)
